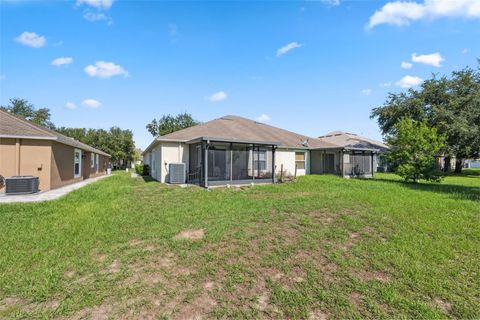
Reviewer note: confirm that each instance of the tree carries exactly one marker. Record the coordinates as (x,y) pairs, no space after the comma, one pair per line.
(414,147)
(169,123)
(26,110)
(451,105)
(117,142)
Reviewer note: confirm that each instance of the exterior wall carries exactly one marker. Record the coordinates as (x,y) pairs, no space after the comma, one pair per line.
(62,165)
(287,158)
(152,158)
(7,157)
(33,159)
(172,152)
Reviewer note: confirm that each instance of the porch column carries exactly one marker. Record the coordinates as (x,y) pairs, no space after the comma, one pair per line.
(253,162)
(372,164)
(273,164)
(342,163)
(205,167)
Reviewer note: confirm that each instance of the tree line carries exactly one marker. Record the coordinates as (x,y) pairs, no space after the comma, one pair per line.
(440,118)
(115,141)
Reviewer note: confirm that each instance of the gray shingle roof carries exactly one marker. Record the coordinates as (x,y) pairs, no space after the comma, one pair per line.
(12,126)
(352,140)
(234,128)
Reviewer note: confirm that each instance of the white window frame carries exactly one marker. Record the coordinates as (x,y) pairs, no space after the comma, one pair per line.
(97,162)
(92,160)
(304,161)
(79,174)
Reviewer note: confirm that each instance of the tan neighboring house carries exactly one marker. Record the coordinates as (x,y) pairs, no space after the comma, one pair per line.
(27,149)
(236,150)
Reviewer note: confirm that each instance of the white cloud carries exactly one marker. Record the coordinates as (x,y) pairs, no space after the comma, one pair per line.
(288,47)
(385,84)
(103,69)
(91,103)
(62,61)
(218,96)
(402,13)
(434,59)
(71,105)
(99,4)
(31,39)
(406,65)
(263,118)
(409,81)
(97,16)
(331,2)
(465,51)
(367,92)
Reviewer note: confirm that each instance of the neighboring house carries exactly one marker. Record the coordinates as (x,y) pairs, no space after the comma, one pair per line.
(358,145)
(472,163)
(27,149)
(235,150)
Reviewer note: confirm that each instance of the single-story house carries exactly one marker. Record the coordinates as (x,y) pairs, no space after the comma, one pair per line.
(236,150)
(27,149)
(357,145)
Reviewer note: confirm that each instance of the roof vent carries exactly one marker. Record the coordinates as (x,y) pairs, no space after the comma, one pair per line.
(305,143)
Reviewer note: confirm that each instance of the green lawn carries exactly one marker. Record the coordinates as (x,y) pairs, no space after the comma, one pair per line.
(322,247)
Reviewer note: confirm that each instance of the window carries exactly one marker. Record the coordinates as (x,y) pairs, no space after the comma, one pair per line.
(97,162)
(261,160)
(77,163)
(300,160)
(92,160)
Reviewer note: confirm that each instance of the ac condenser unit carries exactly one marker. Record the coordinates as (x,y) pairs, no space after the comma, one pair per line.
(21,185)
(177,172)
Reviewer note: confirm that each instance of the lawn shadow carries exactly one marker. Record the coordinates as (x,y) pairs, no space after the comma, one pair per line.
(148,179)
(456,191)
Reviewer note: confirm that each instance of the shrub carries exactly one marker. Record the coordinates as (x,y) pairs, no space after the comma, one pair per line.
(142,169)
(415,146)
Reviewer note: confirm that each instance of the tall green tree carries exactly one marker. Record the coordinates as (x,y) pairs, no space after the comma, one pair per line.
(414,148)
(449,104)
(116,141)
(26,110)
(170,123)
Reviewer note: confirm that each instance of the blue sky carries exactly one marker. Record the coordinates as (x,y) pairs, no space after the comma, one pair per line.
(310,67)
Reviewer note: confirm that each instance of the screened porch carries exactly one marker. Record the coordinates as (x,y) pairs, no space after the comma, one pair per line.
(343,162)
(214,163)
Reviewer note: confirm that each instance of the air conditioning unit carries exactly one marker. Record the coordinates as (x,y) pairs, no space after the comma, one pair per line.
(177,172)
(21,185)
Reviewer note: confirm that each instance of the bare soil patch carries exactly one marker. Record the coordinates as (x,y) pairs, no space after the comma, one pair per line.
(443,305)
(317,315)
(191,234)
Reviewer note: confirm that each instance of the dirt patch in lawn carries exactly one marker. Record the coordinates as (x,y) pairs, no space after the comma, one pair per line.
(191,234)
(317,315)
(443,305)
(355,299)
(375,275)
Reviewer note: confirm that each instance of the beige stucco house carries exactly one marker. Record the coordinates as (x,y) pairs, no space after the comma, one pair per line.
(236,150)
(27,149)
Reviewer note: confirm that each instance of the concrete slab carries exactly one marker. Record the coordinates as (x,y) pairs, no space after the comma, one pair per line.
(47,195)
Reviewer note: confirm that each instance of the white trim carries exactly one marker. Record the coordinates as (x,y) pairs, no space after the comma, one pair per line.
(92,160)
(97,162)
(79,174)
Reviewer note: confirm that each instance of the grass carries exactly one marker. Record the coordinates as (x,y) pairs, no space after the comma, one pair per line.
(322,247)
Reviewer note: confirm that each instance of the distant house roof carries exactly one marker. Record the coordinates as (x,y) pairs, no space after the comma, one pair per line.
(12,126)
(238,129)
(352,141)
